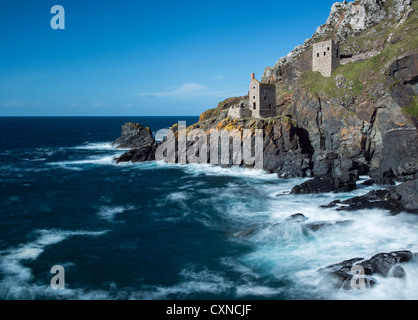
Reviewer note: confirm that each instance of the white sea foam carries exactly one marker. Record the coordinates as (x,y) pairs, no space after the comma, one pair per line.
(16,276)
(45,151)
(252,289)
(292,250)
(279,247)
(208,170)
(92,160)
(204,281)
(287,249)
(213,170)
(178,196)
(388,288)
(96,146)
(35,159)
(109,212)
(107,156)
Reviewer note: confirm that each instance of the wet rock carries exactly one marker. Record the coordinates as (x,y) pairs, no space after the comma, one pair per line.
(407,194)
(134,136)
(368,182)
(376,199)
(297,217)
(382,263)
(283,193)
(396,199)
(332,174)
(315,226)
(327,183)
(141,142)
(143,154)
(339,275)
(397,272)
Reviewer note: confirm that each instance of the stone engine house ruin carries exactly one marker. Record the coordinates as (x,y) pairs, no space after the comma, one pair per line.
(261,102)
(262,99)
(326,57)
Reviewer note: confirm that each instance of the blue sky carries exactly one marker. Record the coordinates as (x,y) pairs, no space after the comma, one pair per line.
(142,58)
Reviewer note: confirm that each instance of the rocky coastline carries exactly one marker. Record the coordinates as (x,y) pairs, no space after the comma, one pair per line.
(359,122)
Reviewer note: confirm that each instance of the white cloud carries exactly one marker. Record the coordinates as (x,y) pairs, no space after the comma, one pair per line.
(12,104)
(21,104)
(186,91)
(193,90)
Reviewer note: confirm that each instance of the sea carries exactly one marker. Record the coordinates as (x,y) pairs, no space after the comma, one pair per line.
(157,231)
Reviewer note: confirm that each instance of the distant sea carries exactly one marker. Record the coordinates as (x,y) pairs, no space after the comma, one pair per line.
(164,231)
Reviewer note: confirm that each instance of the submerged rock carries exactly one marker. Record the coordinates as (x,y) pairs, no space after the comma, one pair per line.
(297,217)
(315,226)
(245,233)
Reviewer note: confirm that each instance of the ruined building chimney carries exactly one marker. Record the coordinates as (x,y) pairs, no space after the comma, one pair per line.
(252,76)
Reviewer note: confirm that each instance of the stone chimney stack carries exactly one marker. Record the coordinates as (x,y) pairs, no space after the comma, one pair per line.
(252,76)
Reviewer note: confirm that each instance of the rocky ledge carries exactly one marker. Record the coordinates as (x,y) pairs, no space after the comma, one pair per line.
(341,176)
(396,199)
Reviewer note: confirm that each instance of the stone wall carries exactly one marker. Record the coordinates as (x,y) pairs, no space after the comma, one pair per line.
(267,100)
(239,113)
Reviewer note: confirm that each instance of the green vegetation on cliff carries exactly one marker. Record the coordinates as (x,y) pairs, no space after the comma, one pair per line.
(361,76)
(374,50)
(412,109)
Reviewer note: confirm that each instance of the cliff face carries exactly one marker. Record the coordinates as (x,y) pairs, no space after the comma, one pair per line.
(367,110)
(361,120)
(366,124)
(285,151)
(362,27)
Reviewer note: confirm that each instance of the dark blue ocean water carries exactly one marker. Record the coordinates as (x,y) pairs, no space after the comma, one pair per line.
(161,231)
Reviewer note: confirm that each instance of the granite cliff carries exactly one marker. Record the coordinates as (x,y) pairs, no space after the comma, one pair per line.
(367,110)
(360,121)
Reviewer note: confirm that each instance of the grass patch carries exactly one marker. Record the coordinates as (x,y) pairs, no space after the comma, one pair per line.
(412,109)
(316,84)
(366,73)
(286,120)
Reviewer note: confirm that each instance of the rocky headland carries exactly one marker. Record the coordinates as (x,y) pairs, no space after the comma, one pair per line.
(363,120)
(360,121)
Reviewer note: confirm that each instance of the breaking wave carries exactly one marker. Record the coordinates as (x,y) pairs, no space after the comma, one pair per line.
(17,276)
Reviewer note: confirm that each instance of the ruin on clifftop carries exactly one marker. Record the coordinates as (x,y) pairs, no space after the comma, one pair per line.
(326,57)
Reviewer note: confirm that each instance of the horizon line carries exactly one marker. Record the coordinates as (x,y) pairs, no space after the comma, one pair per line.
(68,116)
